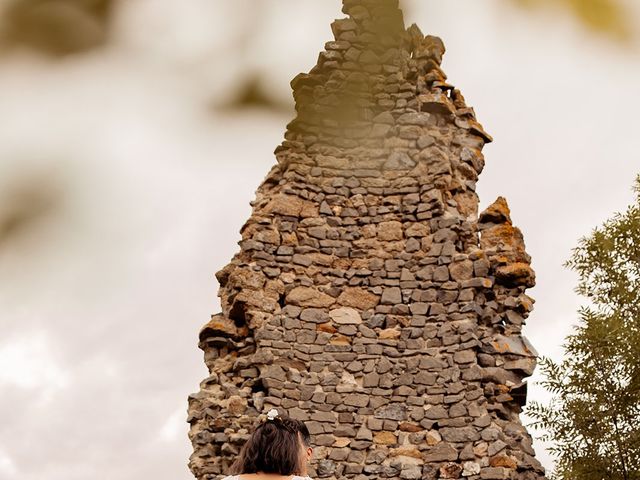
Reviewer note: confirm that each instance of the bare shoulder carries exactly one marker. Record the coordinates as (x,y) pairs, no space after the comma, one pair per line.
(230,477)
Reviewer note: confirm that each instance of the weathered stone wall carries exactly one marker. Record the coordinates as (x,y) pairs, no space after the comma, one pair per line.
(369,299)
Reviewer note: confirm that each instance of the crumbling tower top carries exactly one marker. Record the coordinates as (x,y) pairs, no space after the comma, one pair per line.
(372,60)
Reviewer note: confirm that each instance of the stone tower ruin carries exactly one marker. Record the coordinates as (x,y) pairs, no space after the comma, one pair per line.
(369,298)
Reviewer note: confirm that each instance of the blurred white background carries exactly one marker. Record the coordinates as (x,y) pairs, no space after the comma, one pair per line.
(133,135)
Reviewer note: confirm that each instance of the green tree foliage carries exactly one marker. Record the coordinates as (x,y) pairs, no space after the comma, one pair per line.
(593,419)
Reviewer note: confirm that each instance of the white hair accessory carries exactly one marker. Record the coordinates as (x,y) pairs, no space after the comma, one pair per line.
(271,414)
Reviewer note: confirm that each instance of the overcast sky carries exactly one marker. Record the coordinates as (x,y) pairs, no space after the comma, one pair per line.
(102,296)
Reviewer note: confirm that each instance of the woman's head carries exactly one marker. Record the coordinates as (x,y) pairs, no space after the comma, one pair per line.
(278,444)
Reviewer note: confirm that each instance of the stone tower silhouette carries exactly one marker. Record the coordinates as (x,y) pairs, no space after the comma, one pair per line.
(369,299)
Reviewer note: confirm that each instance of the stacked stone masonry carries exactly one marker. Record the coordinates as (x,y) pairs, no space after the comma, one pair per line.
(369,298)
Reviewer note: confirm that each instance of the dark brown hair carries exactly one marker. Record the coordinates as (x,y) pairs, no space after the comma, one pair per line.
(274,447)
